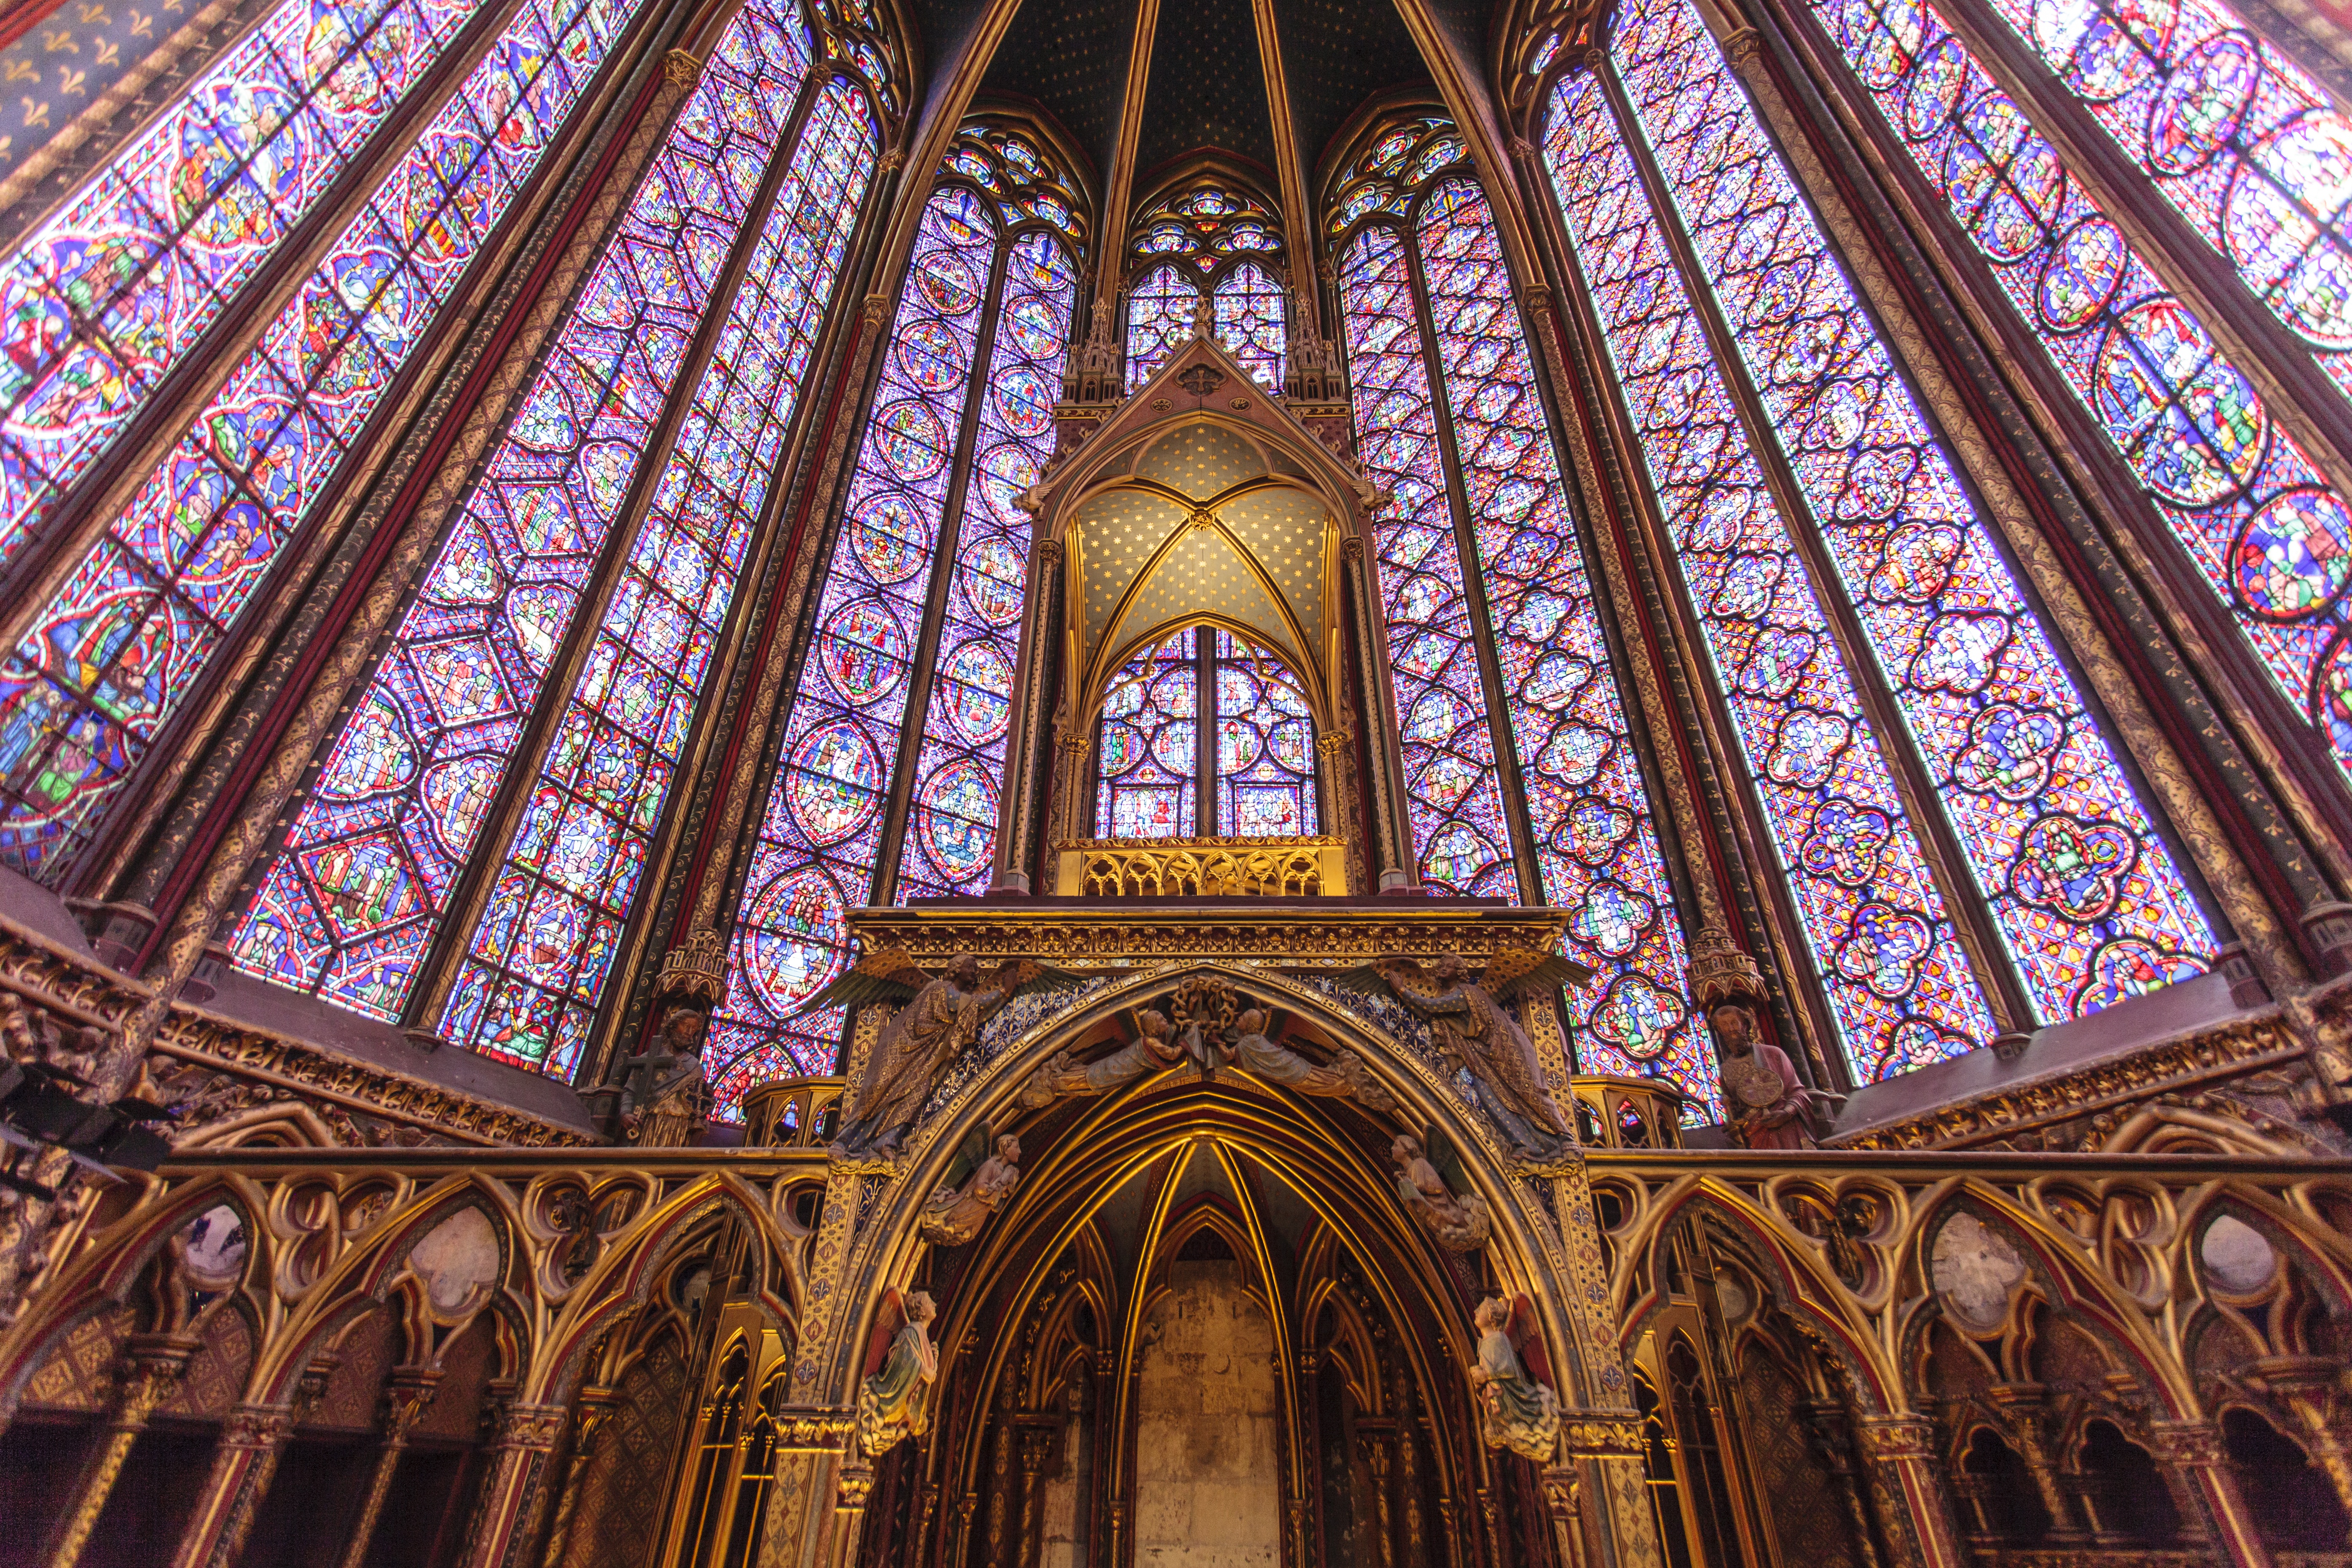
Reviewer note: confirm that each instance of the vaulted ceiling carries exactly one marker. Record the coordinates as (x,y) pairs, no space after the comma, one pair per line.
(1205,83)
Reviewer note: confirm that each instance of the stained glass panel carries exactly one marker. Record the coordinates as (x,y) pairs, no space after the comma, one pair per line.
(2247,504)
(952,835)
(1265,745)
(120,645)
(821,833)
(1159,320)
(537,956)
(349,904)
(1453,796)
(1148,757)
(1249,322)
(1596,845)
(2086,896)
(107,297)
(1891,965)
(2236,135)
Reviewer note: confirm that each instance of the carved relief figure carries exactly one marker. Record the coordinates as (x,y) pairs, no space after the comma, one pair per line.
(1458,1219)
(1515,1410)
(940,1019)
(959,1207)
(1262,1058)
(1153,1048)
(894,1403)
(1473,1032)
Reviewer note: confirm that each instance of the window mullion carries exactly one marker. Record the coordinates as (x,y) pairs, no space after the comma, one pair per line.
(943,560)
(1963,901)
(451,933)
(1526,868)
(1205,733)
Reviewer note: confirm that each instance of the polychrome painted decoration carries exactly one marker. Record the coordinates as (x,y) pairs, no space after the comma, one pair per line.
(346,909)
(124,641)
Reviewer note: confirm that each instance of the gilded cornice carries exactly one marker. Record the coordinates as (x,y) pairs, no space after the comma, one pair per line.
(1070,930)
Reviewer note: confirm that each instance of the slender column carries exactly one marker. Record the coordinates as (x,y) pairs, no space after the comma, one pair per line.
(1376,1459)
(1401,1400)
(596,1408)
(408,1394)
(1307,1507)
(2193,1448)
(156,1361)
(253,1439)
(2022,1402)
(1832,1444)
(509,1505)
(1001,1491)
(1400,867)
(1016,810)
(2309,1388)
(1915,1514)
(1035,1444)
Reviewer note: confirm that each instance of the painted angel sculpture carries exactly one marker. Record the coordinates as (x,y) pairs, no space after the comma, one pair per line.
(1517,1408)
(938,1020)
(1437,1193)
(1262,1058)
(1473,1030)
(959,1207)
(894,1403)
(1154,1048)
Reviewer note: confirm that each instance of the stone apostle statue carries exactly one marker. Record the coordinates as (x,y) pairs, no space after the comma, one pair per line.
(665,1101)
(1766,1105)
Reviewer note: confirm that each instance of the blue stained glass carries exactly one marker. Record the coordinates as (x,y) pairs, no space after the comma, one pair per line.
(531,982)
(1148,744)
(821,835)
(2248,505)
(1249,313)
(347,907)
(2086,896)
(1596,845)
(1265,745)
(1160,309)
(106,297)
(952,835)
(122,643)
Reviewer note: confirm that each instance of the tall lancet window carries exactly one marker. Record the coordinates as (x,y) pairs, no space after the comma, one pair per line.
(117,292)
(2243,142)
(485,815)
(919,619)
(1893,688)
(1204,733)
(1507,692)
(1207,239)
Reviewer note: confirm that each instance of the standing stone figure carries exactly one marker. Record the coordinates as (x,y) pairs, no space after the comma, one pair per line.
(894,1403)
(665,1101)
(1766,1106)
(1515,1411)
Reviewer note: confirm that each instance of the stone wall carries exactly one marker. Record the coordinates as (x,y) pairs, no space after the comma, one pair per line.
(1208,1477)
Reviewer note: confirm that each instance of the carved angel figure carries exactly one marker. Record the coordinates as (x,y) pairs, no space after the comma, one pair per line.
(1154,1046)
(940,1019)
(1458,1219)
(1516,1411)
(1475,1032)
(1261,1058)
(894,1403)
(959,1207)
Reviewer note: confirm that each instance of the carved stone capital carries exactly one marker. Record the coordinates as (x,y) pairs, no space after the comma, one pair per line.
(1601,1435)
(259,1427)
(1889,1438)
(1743,48)
(2193,1444)
(532,1426)
(681,69)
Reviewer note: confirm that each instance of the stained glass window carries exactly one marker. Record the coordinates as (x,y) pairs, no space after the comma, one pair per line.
(1213,240)
(347,908)
(1249,322)
(2236,135)
(1596,848)
(122,643)
(1160,309)
(1265,745)
(2084,895)
(107,297)
(1147,756)
(954,826)
(985,313)
(2248,505)
(539,954)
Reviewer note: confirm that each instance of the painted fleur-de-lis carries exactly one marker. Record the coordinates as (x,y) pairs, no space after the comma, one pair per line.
(143,26)
(36,115)
(60,40)
(22,70)
(72,80)
(109,54)
(96,16)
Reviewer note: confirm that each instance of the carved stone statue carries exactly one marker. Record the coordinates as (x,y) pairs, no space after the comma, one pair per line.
(894,1403)
(1474,1031)
(957,1212)
(940,1019)
(1458,1220)
(1261,1058)
(665,1102)
(1515,1410)
(1765,1104)
(1154,1048)
(664,1105)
